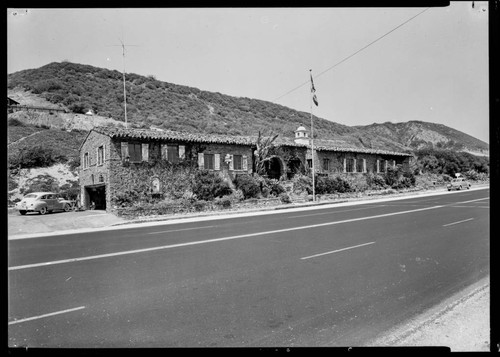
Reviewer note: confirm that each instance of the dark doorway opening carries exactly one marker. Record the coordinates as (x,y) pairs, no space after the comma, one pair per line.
(97,197)
(273,168)
(294,167)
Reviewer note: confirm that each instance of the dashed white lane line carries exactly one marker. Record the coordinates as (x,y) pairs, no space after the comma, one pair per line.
(180,230)
(71,260)
(332,213)
(336,251)
(451,224)
(46,315)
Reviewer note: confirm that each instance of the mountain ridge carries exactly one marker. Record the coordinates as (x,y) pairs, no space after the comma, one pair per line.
(79,87)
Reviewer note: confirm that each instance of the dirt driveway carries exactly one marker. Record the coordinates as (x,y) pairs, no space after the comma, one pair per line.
(58,221)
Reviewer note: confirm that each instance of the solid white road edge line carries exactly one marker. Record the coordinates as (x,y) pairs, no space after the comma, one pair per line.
(46,315)
(336,251)
(465,220)
(213,240)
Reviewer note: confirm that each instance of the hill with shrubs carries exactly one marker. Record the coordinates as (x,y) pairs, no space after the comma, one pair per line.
(79,88)
(44,140)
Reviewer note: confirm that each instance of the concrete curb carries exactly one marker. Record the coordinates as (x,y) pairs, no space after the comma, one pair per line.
(207,216)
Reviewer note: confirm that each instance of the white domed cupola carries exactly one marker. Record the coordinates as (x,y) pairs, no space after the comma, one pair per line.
(301,135)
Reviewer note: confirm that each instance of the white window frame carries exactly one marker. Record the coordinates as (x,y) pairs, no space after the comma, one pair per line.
(86,160)
(100,157)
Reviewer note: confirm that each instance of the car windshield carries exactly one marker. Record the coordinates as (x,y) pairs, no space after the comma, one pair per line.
(31,195)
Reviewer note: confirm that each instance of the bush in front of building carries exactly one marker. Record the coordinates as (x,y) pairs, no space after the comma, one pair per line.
(248,185)
(375,181)
(301,184)
(329,184)
(275,188)
(208,185)
(224,202)
(285,198)
(398,178)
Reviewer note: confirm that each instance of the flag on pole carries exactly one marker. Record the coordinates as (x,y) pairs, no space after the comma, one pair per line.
(313,91)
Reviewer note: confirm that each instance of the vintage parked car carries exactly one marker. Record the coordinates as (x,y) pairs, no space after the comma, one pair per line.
(43,202)
(458,184)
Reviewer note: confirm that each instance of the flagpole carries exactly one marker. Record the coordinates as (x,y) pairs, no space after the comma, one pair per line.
(312,142)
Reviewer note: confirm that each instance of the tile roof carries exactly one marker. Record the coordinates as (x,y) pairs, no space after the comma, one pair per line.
(320,145)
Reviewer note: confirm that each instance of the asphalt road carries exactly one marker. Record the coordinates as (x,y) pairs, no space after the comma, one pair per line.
(324,277)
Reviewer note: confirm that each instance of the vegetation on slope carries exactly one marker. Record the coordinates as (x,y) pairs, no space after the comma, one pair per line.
(155,103)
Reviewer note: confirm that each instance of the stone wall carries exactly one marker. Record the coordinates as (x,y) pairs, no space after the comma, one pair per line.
(94,173)
(171,180)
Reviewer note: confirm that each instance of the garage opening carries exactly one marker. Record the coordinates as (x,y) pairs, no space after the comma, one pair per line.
(96,197)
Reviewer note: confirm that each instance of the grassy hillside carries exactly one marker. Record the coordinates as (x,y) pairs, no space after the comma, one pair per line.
(150,102)
(154,103)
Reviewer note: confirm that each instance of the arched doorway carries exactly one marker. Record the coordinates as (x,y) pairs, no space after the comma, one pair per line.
(273,168)
(294,167)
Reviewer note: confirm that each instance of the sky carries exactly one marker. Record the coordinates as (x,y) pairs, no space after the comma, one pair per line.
(370,65)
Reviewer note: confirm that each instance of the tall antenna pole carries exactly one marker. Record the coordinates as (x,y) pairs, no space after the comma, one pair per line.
(123,73)
(124,88)
(312,141)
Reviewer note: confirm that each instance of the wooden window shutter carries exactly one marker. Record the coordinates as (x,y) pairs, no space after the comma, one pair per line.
(245,163)
(145,152)
(216,161)
(103,153)
(124,150)
(182,152)
(231,162)
(201,160)
(364,165)
(164,154)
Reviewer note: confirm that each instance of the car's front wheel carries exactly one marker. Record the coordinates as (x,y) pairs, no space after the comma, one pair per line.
(22,212)
(43,210)
(67,208)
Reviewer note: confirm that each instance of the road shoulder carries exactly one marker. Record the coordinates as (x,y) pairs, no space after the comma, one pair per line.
(461,322)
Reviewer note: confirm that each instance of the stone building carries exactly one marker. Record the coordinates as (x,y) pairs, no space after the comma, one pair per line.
(116,160)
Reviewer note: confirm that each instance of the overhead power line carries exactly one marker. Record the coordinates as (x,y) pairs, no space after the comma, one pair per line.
(352,55)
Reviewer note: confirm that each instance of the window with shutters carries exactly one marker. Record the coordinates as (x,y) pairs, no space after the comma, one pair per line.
(173,153)
(360,165)
(100,155)
(349,165)
(135,152)
(237,162)
(310,163)
(209,160)
(382,166)
(326,164)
